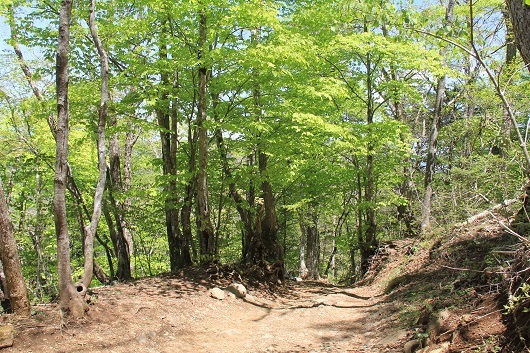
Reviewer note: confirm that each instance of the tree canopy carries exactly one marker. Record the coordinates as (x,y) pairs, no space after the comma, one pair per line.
(264,133)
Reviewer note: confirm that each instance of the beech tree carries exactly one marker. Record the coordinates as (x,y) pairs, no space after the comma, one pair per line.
(72,295)
(245,116)
(430,163)
(15,291)
(71,301)
(520,18)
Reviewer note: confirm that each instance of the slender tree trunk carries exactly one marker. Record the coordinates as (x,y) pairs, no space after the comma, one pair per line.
(133,133)
(52,123)
(115,186)
(102,155)
(303,272)
(368,241)
(120,246)
(244,215)
(178,250)
(206,232)
(313,245)
(191,187)
(511,53)
(71,301)
(433,138)
(252,243)
(43,274)
(15,287)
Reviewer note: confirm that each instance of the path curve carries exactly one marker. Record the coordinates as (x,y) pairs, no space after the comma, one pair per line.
(161,315)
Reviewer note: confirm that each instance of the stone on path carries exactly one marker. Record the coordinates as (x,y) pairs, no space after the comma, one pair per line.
(6,335)
(238,290)
(217,293)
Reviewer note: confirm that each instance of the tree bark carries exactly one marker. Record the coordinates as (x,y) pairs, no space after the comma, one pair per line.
(115,187)
(179,253)
(71,302)
(313,245)
(520,18)
(303,271)
(102,155)
(273,251)
(206,231)
(368,237)
(433,138)
(15,289)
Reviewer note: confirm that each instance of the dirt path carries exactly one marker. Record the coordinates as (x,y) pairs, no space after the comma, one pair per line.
(163,315)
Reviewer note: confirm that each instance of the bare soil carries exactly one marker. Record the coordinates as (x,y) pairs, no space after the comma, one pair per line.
(171,314)
(441,288)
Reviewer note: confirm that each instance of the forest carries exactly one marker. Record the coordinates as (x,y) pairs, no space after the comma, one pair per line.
(290,138)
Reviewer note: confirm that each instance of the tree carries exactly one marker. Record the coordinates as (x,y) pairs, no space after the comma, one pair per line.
(71,301)
(15,291)
(206,232)
(520,18)
(433,137)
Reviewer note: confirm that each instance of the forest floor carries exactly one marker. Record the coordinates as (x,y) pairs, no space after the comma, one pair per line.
(441,286)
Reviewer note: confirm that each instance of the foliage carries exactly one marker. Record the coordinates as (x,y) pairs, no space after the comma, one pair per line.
(346,94)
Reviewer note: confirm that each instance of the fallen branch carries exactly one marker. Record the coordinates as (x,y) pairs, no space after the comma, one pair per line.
(476,271)
(486,213)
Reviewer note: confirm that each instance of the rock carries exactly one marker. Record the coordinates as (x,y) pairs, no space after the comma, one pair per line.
(436,324)
(217,293)
(7,334)
(467,318)
(298,279)
(412,346)
(392,337)
(237,289)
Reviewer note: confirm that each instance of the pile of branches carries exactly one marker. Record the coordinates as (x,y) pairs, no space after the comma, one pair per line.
(377,262)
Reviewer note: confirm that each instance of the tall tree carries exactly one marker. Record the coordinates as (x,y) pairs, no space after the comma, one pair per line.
(15,290)
(433,136)
(206,231)
(178,254)
(520,18)
(71,300)
(90,231)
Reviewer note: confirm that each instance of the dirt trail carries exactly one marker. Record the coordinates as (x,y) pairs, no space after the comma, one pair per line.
(163,315)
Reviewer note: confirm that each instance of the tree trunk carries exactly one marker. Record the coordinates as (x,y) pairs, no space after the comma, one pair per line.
(303,272)
(520,18)
(313,245)
(88,248)
(433,138)
(206,232)
(243,212)
(178,248)
(273,251)
(15,288)
(70,181)
(115,186)
(118,241)
(368,231)
(133,133)
(71,302)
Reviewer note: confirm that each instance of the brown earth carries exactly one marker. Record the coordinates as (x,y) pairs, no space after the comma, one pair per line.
(441,286)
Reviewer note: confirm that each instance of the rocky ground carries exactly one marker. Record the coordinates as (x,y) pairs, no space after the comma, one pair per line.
(437,292)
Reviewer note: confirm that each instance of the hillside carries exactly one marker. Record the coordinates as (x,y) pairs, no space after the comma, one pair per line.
(445,287)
